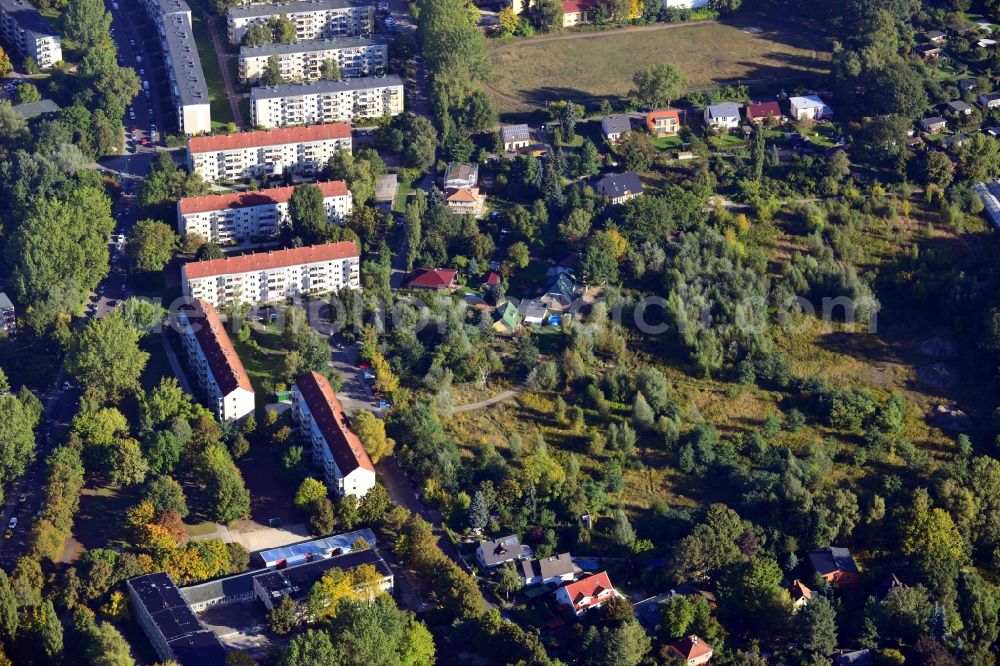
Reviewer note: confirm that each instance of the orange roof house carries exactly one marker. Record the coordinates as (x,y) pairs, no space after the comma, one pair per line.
(691,650)
(587,593)
(663,122)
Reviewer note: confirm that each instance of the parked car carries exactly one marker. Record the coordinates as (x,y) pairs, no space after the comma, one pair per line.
(12,523)
(382,404)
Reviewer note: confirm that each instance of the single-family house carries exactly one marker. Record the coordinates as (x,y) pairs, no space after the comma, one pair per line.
(853,658)
(723,116)
(663,122)
(936,36)
(959,107)
(586,593)
(491,281)
(492,554)
(986,43)
(835,565)
(619,187)
(8,320)
(990,100)
(461,174)
(386,189)
(575,12)
(928,51)
(968,85)
(614,126)
(560,293)
(764,111)
(933,125)
(983,24)
(433,278)
(800,594)
(506,319)
(515,137)
(555,569)
(466,201)
(956,141)
(809,107)
(888,585)
(691,650)
(649,611)
(533,312)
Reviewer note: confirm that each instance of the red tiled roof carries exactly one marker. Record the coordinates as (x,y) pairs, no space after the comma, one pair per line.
(226,367)
(800,591)
(275,195)
(574,6)
(589,587)
(690,647)
(664,113)
(329,416)
(464,194)
(275,137)
(434,278)
(259,261)
(492,279)
(763,110)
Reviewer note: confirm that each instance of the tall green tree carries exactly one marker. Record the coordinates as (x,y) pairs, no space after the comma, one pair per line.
(308,216)
(815,626)
(657,85)
(151,245)
(18,421)
(86,22)
(105,357)
(330,70)
(272,75)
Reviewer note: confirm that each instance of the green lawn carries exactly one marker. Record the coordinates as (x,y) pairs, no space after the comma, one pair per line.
(265,363)
(222,114)
(667,142)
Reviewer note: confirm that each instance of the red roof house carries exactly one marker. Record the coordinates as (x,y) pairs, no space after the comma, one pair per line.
(586,593)
(691,650)
(433,278)
(663,122)
(762,111)
(801,595)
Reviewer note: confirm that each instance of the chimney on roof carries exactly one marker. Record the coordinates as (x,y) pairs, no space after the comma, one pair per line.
(694,640)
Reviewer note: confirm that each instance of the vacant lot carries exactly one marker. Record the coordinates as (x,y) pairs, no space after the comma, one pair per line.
(588,67)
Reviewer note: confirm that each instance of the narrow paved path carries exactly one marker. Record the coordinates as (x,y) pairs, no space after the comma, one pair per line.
(499,397)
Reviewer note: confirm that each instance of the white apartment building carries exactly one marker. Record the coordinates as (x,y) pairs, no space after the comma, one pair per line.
(210,354)
(188,89)
(313,19)
(25,29)
(241,217)
(298,150)
(326,101)
(267,277)
(303,61)
(322,424)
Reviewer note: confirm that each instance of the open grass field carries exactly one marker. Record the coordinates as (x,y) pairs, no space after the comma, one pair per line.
(222,114)
(586,67)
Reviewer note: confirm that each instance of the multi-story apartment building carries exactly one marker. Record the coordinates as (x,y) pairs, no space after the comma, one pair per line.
(224,383)
(265,277)
(298,150)
(303,61)
(241,217)
(326,101)
(188,90)
(313,19)
(346,467)
(25,29)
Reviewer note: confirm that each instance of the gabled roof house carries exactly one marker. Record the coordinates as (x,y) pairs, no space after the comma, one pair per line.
(586,593)
(835,565)
(492,554)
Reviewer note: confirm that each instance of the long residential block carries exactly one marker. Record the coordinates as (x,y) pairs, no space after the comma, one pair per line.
(211,357)
(313,19)
(303,61)
(298,151)
(241,217)
(188,89)
(327,101)
(266,277)
(322,424)
(25,29)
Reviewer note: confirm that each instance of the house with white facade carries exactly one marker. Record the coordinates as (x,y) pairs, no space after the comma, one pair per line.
(809,107)
(296,150)
(253,216)
(24,29)
(322,424)
(289,104)
(313,19)
(303,61)
(224,383)
(585,594)
(547,571)
(269,277)
(188,88)
(723,116)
